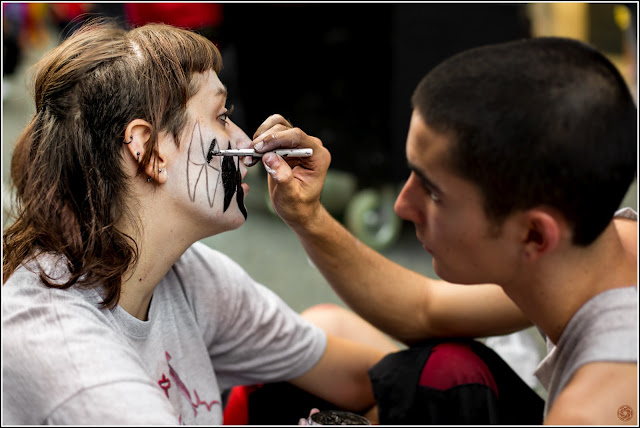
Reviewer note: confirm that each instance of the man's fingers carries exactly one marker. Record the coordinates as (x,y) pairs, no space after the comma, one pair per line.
(287,139)
(270,122)
(277,168)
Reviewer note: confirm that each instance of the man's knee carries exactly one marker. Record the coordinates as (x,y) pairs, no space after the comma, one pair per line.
(452,364)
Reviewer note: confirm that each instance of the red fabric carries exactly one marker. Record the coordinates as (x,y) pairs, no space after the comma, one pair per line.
(236,411)
(69,11)
(184,15)
(453,364)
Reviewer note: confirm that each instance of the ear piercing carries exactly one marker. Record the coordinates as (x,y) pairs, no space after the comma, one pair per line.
(160,170)
(138,156)
(130,140)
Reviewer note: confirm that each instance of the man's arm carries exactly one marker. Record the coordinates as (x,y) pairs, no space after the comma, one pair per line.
(400,302)
(404,304)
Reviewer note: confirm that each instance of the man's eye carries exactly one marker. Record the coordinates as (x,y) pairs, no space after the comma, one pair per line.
(430,192)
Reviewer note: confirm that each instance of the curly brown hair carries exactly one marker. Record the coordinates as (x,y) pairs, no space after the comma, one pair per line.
(67,170)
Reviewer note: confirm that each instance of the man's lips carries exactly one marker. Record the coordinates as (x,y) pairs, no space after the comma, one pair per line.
(424,245)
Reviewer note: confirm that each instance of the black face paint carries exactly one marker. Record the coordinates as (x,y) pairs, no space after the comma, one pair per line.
(240,197)
(211,150)
(231,183)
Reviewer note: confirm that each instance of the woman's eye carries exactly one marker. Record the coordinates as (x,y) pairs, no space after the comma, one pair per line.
(224,116)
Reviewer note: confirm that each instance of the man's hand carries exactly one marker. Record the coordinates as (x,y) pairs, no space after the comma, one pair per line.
(295,184)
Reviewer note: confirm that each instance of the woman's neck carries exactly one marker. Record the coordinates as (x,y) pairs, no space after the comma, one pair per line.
(160,244)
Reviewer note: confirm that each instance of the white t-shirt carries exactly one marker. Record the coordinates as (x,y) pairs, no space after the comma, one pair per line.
(67,361)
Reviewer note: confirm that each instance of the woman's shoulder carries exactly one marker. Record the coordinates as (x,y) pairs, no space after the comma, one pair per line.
(203,262)
(209,279)
(58,343)
(25,289)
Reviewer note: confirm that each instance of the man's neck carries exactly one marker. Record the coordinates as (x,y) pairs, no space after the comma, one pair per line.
(562,282)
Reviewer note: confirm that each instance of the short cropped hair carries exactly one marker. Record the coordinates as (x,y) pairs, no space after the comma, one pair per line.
(537,122)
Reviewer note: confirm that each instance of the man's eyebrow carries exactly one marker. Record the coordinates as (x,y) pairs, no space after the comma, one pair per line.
(425,180)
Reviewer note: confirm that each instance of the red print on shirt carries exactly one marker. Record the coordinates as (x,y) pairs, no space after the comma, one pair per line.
(165,384)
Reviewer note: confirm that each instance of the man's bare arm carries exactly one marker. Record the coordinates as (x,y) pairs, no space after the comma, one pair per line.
(400,302)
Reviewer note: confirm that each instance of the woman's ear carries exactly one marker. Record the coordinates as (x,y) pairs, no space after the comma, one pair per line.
(137,135)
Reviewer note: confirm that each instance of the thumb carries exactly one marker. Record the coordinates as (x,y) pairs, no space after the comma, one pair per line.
(277,168)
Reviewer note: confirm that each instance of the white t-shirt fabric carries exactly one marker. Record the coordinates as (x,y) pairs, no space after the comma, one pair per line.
(66,360)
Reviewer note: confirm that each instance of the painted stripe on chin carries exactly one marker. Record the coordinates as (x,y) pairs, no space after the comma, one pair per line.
(232,183)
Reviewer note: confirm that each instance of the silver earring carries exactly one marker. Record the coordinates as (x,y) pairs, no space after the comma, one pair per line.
(159,170)
(138,156)
(130,140)
(148,179)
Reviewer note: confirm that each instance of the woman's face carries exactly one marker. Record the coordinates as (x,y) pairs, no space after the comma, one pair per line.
(204,187)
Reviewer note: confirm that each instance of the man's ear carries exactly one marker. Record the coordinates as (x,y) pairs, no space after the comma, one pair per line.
(541,232)
(137,135)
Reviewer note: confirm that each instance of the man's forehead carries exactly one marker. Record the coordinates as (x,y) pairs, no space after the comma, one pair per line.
(423,139)
(427,149)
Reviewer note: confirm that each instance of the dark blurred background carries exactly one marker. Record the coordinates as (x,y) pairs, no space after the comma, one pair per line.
(345,72)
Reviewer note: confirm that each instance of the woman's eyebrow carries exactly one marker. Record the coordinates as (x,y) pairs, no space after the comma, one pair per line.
(222,91)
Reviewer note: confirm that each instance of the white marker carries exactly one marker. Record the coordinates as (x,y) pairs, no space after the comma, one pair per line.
(294,153)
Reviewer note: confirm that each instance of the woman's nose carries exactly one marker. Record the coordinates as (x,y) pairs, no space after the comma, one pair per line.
(241,140)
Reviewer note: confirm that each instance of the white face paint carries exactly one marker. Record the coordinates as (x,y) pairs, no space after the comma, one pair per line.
(209,188)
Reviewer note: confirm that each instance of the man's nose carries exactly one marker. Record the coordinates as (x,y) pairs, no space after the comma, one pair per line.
(404,206)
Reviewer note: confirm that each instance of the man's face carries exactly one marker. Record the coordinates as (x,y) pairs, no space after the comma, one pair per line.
(209,188)
(448,214)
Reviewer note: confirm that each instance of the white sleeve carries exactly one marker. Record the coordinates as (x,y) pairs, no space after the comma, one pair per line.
(627,213)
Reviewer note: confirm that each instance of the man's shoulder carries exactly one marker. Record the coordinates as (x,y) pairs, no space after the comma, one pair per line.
(601,393)
(626,224)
